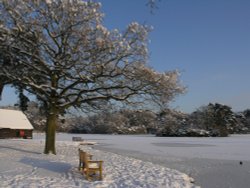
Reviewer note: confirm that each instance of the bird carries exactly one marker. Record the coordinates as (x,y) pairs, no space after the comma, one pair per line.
(241,163)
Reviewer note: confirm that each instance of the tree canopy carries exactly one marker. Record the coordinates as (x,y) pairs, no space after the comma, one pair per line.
(61,52)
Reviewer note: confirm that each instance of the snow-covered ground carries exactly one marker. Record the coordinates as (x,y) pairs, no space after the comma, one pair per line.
(129,161)
(23,165)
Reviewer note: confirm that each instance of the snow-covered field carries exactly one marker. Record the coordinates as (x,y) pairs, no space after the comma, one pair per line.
(129,161)
(23,165)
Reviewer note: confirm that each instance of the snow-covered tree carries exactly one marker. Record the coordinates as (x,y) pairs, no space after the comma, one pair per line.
(61,52)
(247,116)
(217,118)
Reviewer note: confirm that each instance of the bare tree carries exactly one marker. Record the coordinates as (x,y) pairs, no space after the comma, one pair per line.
(60,52)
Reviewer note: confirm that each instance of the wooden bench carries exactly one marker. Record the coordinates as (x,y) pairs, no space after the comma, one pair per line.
(77,139)
(82,158)
(90,167)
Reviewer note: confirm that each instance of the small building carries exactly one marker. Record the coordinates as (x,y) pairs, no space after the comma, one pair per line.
(14,124)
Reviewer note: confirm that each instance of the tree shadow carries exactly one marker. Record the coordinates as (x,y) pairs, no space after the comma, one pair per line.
(53,166)
(21,150)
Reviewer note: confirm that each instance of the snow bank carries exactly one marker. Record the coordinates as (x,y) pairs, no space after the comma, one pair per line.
(22,164)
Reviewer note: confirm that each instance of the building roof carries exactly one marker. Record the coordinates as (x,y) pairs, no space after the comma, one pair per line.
(14,119)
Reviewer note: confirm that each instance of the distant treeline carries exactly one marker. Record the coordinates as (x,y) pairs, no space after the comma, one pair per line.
(211,120)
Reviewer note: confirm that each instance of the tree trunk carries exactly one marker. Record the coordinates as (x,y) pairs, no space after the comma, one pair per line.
(51,132)
(1,90)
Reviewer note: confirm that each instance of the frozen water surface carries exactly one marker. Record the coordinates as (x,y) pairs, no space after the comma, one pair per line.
(212,162)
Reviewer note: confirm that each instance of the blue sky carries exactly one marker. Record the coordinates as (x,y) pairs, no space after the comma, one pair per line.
(207,40)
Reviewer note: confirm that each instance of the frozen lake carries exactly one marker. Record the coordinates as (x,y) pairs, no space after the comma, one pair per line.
(212,162)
